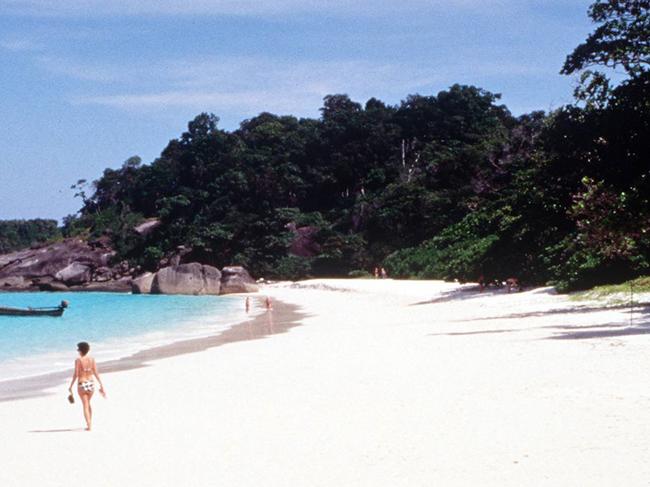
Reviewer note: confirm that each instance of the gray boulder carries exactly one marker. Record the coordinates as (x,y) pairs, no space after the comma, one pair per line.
(147,226)
(122,285)
(193,278)
(142,284)
(53,286)
(49,260)
(304,242)
(75,273)
(15,282)
(102,274)
(236,279)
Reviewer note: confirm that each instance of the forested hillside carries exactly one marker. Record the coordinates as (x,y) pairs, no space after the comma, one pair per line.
(18,234)
(448,186)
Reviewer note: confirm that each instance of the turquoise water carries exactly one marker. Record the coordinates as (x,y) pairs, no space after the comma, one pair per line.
(115,325)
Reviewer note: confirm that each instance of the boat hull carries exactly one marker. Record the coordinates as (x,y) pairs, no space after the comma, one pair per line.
(31,312)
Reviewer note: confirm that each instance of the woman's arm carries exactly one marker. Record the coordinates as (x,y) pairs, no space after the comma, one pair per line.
(101,386)
(74,375)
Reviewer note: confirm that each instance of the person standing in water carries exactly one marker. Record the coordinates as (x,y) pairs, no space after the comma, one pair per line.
(269,304)
(248,304)
(85,371)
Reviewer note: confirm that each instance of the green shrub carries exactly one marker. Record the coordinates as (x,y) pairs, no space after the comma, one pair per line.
(293,268)
(151,257)
(359,274)
(461,251)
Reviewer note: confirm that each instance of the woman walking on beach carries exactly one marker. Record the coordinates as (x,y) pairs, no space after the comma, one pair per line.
(85,370)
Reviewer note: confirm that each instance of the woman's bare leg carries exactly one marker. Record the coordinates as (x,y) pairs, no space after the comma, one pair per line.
(88,410)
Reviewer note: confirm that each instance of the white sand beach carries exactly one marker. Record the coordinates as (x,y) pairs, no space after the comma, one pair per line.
(384,383)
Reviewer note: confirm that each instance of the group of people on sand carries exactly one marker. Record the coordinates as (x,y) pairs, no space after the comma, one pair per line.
(511,284)
(268,303)
(380,273)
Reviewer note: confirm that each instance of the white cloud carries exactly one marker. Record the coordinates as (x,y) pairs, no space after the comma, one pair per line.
(246,102)
(250,85)
(20,45)
(247,86)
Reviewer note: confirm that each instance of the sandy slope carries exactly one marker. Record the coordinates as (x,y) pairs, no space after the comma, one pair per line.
(386,383)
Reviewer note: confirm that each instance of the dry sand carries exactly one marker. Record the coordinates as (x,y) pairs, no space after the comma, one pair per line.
(384,383)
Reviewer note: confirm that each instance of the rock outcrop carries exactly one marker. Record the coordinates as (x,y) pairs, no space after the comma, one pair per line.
(50,259)
(121,285)
(195,278)
(191,278)
(147,226)
(52,286)
(75,273)
(15,282)
(236,279)
(77,265)
(61,265)
(142,284)
(304,242)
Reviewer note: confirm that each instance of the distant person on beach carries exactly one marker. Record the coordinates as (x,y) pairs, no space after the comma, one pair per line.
(269,304)
(85,371)
(376,272)
(248,304)
(513,283)
(384,274)
(482,283)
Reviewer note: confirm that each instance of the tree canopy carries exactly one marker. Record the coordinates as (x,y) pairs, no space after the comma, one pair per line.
(621,40)
(448,185)
(18,234)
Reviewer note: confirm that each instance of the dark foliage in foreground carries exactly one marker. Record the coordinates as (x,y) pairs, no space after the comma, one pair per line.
(445,186)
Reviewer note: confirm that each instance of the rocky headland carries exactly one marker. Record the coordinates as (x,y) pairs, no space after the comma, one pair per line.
(75,264)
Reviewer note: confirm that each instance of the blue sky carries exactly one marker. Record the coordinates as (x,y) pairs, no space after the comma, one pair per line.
(88,83)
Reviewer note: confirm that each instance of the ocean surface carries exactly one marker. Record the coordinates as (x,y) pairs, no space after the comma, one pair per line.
(115,325)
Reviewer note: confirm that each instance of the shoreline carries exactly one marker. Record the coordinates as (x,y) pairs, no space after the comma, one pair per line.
(389,382)
(282,318)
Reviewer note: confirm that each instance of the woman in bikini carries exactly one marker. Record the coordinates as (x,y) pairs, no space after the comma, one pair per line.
(85,369)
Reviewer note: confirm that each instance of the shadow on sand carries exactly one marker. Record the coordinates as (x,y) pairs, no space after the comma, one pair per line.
(469,292)
(637,323)
(479,332)
(560,311)
(62,430)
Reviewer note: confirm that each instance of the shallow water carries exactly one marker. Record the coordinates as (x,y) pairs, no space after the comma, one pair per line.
(116,325)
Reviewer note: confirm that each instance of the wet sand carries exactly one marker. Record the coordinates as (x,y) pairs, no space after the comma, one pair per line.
(283,317)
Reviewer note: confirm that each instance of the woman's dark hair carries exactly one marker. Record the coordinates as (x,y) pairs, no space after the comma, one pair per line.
(83,347)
